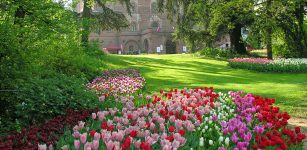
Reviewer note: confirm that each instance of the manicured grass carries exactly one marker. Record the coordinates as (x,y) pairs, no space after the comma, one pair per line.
(179,71)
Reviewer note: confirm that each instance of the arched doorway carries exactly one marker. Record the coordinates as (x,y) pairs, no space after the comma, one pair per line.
(170,47)
(146,46)
(131,47)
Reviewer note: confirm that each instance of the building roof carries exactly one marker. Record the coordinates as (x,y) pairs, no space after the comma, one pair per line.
(113,47)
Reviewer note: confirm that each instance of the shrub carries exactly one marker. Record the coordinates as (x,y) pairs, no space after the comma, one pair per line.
(38,99)
(217,53)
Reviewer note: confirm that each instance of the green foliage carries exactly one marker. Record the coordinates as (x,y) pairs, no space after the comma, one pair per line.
(270,67)
(102,19)
(38,99)
(217,53)
(43,65)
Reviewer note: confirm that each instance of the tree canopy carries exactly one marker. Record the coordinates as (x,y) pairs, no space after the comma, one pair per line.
(203,22)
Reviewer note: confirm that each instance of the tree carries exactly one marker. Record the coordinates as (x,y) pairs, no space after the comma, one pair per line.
(205,21)
(285,19)
(105,19)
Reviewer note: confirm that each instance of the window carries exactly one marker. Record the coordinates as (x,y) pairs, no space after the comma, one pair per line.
(134,7)
(133,27)
(154,8)
(154,25)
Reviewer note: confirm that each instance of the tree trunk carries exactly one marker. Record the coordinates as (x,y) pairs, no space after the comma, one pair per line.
(301,37)
(86,14)
(237,43)
(269,43)
(269,31)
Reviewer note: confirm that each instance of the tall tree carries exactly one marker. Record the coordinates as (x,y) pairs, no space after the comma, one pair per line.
(206,21)
(103,19)
(285,19)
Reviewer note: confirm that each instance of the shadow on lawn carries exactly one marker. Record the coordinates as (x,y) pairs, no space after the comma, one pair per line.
(169,72)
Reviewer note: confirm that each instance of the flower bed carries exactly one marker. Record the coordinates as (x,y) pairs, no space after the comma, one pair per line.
(48,132)
(266,65)
(190,118)
(117,82)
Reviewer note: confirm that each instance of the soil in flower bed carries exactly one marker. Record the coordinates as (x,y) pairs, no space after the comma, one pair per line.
(47,132)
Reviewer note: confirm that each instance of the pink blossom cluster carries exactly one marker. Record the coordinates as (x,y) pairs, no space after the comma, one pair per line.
(161,123)
(114,83)
(189,118)
(251,60)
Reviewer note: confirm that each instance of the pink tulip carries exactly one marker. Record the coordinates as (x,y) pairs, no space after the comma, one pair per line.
(152,126)
(77,144)
(76,128)
(137,144)
(175,144)
(81,125)
(172,119)
(64,147)
(42,147)
(97,136)
(88,146)
(150,140)
(100,116)
(94,115)
(101,98)
(76,134)
(95,144)
(110,145)
(162,127)
(83,138)
(155,136)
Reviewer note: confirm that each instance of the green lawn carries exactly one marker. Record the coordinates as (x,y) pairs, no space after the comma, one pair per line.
(179,71)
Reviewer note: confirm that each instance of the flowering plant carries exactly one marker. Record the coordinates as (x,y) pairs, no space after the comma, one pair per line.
(190,118)
(117,82)
(266,65)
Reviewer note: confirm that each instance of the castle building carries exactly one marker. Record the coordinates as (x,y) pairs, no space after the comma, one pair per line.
(149,31)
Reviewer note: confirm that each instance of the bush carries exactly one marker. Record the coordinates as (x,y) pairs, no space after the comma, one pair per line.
(38,99)
(217,53)
(43,66)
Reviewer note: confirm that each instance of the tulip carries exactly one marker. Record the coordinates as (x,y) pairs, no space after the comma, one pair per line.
(64,147)
(221,139)
(77,144)
(95,144)
(201,142)
(227,141)
(210,142)
(94,115)
(42,147)
(83,138)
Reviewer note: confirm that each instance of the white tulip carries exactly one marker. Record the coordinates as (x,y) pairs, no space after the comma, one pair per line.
(203,130)
(217,128)
(201,142)
(206,127)
(221,139)
(210,142)
(227,141)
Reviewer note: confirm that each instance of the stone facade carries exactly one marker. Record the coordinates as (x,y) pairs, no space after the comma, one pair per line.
(148,30)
